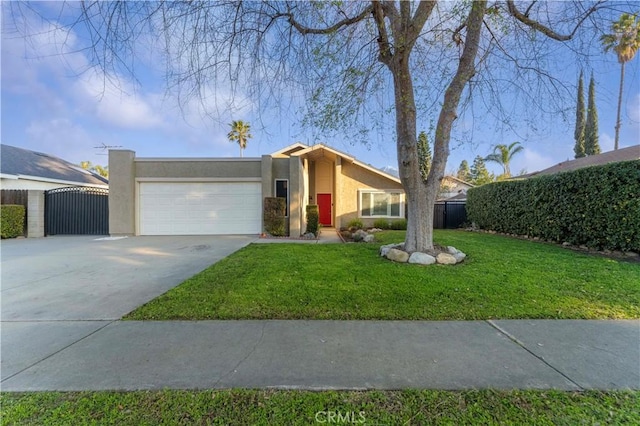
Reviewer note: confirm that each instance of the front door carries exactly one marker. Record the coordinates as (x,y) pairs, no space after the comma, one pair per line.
(324,209)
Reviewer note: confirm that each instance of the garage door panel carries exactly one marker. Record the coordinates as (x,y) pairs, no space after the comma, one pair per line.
(187,208)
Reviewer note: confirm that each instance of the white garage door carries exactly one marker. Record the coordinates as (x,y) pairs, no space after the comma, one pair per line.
(200,208)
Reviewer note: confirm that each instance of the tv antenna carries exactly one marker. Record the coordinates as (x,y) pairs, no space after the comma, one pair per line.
(105,147)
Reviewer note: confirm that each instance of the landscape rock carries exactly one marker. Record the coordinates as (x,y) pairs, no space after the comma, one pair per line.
(422,258)
(385,248)
(452,250)
(309,235)
(374,230)
(459,256)
(446,259)
(369,238)
(397,255)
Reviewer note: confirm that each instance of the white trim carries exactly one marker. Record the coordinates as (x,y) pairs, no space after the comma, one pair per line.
(381,191)
(60,181)
(275,192)
(289,148)
(198,159)
(199,179)
(6,176)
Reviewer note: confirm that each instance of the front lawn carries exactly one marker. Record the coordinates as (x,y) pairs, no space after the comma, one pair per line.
(272,407)
(501,278)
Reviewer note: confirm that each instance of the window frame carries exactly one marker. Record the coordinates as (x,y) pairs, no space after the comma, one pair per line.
(275,194)
(401,212)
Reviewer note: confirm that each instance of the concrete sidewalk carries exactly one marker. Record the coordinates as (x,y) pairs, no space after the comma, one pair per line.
(510,354)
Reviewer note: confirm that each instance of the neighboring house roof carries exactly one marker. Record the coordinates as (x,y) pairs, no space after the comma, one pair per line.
(622,154)
(318,150)
(20,163)
(459,181)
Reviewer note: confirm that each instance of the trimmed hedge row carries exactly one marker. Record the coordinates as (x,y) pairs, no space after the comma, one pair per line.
(11,220)
(597,206)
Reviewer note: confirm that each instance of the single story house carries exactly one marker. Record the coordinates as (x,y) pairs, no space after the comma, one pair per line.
(182,196)
(453,188)
(623,154)
(25,169)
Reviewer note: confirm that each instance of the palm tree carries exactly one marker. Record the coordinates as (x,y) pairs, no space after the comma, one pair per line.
(502,154)
(625,42)
(240,133)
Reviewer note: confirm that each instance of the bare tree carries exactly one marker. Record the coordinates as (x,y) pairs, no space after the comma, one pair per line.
(345,57)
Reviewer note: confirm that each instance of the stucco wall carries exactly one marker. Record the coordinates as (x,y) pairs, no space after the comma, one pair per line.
(121,192)
(205,168)
(354,178)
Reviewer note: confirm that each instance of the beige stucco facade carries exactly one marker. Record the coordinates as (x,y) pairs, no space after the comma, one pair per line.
(308,172)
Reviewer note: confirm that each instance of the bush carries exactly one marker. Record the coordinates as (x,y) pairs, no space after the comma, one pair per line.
(400,224)
(381,224)
(598,206)
(313,219)
(274,211)
(11,220)
(355,224)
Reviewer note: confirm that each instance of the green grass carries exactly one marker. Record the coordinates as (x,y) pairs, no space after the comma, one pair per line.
(502,277)
(271,407)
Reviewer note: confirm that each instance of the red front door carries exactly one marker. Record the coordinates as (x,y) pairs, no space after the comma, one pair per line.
(324,209)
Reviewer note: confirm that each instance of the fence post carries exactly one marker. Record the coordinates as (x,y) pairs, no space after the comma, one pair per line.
(35,214)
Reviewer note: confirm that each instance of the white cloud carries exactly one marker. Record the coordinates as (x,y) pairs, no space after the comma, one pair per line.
(118,106)
(532,161)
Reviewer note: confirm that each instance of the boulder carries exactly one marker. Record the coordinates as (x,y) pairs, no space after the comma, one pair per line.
(422,258)
(374,230)
(446,259)
(385,248)
(397,255)
(459,256)
(452,250)
(369,238)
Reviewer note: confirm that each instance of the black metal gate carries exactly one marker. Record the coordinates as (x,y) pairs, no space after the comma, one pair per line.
(78,210)
(449,214)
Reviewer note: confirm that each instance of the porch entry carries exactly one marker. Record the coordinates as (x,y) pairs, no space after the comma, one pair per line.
(324,209)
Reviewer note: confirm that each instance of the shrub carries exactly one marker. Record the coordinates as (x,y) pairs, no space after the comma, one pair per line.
(274,211)
(597,206)
(381,224)
(11,220)
(355,224)
(400,224)
(313,219)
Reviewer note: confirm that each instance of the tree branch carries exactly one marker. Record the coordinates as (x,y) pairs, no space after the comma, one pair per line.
(304,30)
(532,23)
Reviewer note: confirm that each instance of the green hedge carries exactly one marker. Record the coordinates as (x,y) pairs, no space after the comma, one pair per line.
(597,206)
(313,219)
(274,216)
(11,220)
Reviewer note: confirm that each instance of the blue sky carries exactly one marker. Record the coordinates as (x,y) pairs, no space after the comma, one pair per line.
(59,104)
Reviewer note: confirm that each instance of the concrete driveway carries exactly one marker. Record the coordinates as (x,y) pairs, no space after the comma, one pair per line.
(92,278)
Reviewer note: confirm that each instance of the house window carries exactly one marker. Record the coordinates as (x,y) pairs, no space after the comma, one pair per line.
(282,191)
(381,204)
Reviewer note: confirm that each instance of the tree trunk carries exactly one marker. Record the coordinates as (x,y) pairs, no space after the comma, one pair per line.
(615,146)
(421,196)
(419,223)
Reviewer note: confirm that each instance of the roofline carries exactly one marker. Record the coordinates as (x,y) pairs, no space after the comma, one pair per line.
(178,159)
(349,158)
(289,148)
(47,180)
(459,180)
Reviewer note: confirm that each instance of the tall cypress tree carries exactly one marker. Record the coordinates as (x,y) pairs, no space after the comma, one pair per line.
(578,134)
(591,145)
(424,155)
